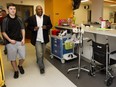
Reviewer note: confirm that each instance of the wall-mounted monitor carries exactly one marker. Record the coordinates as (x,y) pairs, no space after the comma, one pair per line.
(76,4)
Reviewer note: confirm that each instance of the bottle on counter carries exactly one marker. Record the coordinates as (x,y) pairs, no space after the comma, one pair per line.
(69,21)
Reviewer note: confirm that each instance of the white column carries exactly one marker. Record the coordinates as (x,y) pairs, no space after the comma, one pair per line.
(97,10)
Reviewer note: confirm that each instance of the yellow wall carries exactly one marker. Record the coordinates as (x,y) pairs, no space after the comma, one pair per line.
(58,9)
(49,8)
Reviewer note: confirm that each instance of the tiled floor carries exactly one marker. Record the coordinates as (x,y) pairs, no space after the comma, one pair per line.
(32,77)
(85,80)
(52,77)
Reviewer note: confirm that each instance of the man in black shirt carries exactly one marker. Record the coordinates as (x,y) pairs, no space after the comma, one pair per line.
(14,34)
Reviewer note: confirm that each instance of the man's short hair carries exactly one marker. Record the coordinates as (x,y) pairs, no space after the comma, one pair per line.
(3,10)
(10,4)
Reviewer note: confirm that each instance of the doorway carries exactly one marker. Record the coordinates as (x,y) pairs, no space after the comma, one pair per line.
(25,11)
(89,16)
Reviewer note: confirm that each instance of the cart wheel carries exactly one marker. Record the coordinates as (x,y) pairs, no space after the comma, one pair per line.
(109,81)
(78,76)
(62,60)
(4,85)
(51,56)
(91,73)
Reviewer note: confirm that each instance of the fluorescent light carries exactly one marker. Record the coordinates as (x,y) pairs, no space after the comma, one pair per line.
(84,0)
(108,1)
(113,5)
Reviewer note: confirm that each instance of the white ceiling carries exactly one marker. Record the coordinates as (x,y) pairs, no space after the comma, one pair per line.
(106,2)
(111,0)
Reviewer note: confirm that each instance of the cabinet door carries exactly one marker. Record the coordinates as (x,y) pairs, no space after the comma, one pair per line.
(56,46)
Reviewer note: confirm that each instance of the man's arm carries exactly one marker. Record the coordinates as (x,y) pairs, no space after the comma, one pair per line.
(23,36)
(48,25)
(6,37)
(31,26)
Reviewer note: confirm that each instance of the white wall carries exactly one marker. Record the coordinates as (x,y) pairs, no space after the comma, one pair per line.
(23,2)
(81,15)
(107,11)
(97,10)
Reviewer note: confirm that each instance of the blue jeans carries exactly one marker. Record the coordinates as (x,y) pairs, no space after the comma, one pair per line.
(40,50)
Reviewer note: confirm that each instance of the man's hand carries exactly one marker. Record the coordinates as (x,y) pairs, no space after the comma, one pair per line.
(36,28)
(12,41)
(44,27)
(22,42)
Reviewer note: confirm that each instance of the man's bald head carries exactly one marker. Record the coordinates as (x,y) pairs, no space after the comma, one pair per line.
(39,10)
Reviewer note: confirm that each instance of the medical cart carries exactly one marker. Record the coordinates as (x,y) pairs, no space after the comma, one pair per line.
(62,47)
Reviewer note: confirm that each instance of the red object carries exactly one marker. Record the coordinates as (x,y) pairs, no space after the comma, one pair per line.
(55,32)
(61,21)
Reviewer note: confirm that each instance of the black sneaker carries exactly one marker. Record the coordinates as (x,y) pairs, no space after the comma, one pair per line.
(16,74)
(42,71)
(21,69)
